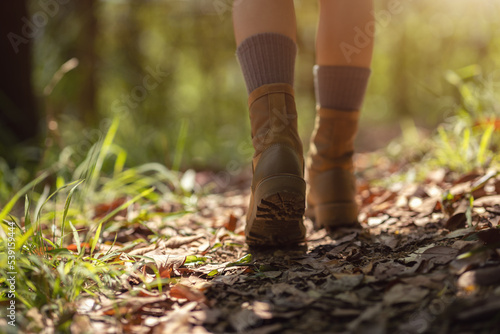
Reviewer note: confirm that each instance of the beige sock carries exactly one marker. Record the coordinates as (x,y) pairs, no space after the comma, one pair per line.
(340,87)
(267,58)
(339,94)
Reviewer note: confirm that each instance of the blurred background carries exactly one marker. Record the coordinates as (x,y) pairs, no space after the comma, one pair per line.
(166,69)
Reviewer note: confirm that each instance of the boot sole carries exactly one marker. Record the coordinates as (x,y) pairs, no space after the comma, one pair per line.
(277,213)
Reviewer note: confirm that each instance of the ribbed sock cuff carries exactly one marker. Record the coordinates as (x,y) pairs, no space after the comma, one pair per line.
(267,58)
(340,87)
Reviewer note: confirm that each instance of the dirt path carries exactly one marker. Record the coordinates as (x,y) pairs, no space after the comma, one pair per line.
(423,262)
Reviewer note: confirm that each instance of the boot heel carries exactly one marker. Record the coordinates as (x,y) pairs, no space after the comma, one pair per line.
(278,210)
(331,215)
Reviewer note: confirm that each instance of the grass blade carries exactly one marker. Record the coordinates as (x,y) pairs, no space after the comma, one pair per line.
(181,143)
(27,217)
(103,152)
(66,208)
(76,237)
(483,146)
(6,209)
(96,238)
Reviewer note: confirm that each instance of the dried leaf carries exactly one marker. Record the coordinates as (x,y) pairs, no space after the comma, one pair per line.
(165,263)
(482,276)
(457,221)
(391,269)
(180,291)
(244,319)
(74,248)
(177,321)
(230,225)
(404,293)
(142,250)
(439,254)
(487,201)
(490,237)
(469,260)
(178,241)
(101,210)
(483,310)
(460,232)
(344,282)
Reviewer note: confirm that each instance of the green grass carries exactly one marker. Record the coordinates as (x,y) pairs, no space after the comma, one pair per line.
(51,278)
(467,140)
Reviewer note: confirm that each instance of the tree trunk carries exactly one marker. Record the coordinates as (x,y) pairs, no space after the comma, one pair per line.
(19,117)
(88,62)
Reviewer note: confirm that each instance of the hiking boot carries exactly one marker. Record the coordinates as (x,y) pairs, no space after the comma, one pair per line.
(331,183)
(277,202)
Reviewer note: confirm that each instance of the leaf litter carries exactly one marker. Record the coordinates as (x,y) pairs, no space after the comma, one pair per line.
(426,260)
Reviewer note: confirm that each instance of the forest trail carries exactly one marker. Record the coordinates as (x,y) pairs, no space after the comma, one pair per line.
(426,260)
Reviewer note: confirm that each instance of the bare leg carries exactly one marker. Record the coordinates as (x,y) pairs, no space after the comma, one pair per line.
(343,23)
(252,17)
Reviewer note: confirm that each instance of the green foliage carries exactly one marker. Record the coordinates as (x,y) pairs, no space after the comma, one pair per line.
(192,111)
(50,277)
(470,139)
(467,140)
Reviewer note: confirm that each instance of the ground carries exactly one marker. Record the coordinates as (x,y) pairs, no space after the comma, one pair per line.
(427,259)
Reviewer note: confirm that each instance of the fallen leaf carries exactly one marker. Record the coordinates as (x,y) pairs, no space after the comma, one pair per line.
(423,281)
(469,260)
(460,232)
(145,293)
(244,319)
(80,324)
(230,225)
(439,254)
(457,221)
(482,276)
(344,282)
(391,269)
(74,247)
(490,237)
(368,314)
(180,291)
(274,328)
(404,293)
(177,321)
(487,201)
(129,304)
(272,274)
(164,263)
(142,250)
(177,241)
(101,210)
(428,206)
(343,312)
(482,310)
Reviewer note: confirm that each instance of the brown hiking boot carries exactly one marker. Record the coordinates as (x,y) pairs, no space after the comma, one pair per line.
(277,202)
(331,183)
